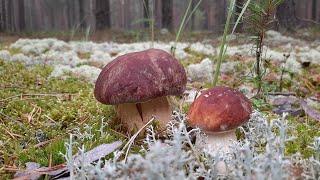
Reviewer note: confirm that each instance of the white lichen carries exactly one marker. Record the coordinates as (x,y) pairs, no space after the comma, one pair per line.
(202,71)
(229,67)
(5,55)
(202,48)
(100,58)
(89,73)
(22,58)
(260,155)
(292,65)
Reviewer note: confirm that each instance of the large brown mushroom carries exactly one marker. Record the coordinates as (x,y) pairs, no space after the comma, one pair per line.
(218,112)
(138,84)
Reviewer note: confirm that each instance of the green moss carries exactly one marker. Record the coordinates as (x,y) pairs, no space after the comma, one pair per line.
(31,102)
(14,51)
(195,57)
(84,55)
(50,153)
(304,133)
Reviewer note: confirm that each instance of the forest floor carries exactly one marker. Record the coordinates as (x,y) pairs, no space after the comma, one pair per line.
(46,88)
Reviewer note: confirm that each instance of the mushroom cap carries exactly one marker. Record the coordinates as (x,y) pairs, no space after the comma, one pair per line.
(140,76)
(219,109)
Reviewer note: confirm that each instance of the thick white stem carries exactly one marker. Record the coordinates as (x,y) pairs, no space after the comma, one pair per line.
(220,142)
(134,116)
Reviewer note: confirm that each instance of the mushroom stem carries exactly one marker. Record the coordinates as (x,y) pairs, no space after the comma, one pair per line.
(220,142)
(135,115)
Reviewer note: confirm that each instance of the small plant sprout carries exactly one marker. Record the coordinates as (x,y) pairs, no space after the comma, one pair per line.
(261,17)
(102,126)
(138,84)
(218,112)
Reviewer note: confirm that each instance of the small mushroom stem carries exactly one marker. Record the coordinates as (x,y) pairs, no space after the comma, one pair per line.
(220,142)
(135,115)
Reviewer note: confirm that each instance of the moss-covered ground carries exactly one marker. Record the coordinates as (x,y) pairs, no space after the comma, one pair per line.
(37,113)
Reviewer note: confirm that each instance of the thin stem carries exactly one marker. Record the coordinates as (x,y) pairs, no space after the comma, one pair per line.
(223,47)
(181,27)
(150,20)
(152,25)
(193,10)
(131,140)
(240,15)
(258,60)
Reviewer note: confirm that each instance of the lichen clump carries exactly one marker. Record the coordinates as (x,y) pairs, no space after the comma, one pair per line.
(261,153)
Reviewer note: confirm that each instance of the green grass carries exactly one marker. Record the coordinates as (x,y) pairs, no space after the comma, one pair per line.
(35,108)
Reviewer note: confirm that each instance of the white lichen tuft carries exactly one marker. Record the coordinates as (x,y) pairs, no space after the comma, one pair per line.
(275,37)
(5,55)
(82,47)
(244,50)
(69,58)
(202,71)
(312,56)
(229,67)
(274,55)
(89,73)
(206,49)
(100,58)
(22,58)
(292,65)
(60,71)
(260,155)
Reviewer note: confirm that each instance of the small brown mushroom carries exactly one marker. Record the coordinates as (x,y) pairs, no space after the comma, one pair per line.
(138,84)
(218,112)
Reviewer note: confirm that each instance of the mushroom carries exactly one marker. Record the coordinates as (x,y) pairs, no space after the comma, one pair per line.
(218,112)
(138,84)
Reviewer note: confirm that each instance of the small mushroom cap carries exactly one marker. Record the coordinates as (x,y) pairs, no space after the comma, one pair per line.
(139,77)
(219,109)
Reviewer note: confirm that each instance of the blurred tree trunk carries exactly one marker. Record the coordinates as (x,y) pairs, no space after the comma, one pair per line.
(286,15)
(194,3)
(157,12)
(2,16)
(314,10)
(146,13)
(102,14)
(167,7)
(216,15)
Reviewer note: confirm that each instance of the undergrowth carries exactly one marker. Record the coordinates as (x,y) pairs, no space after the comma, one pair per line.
(260,154)
(37,114)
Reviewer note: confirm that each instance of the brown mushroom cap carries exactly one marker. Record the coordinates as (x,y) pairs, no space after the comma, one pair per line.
(139,77)
(219,109)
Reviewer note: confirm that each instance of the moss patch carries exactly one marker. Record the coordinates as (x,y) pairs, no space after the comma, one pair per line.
(37,114)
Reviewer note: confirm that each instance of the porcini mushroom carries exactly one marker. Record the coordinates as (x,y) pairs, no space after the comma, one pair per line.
(218,112)
(138,84)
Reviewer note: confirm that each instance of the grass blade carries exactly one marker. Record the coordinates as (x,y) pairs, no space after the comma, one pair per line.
(223,47)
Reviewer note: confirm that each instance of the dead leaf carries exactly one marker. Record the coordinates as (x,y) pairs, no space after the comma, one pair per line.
(309,110)
(97,153)
(286,104)
(30,166)
(34,171)
(282,100)
(287,108)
